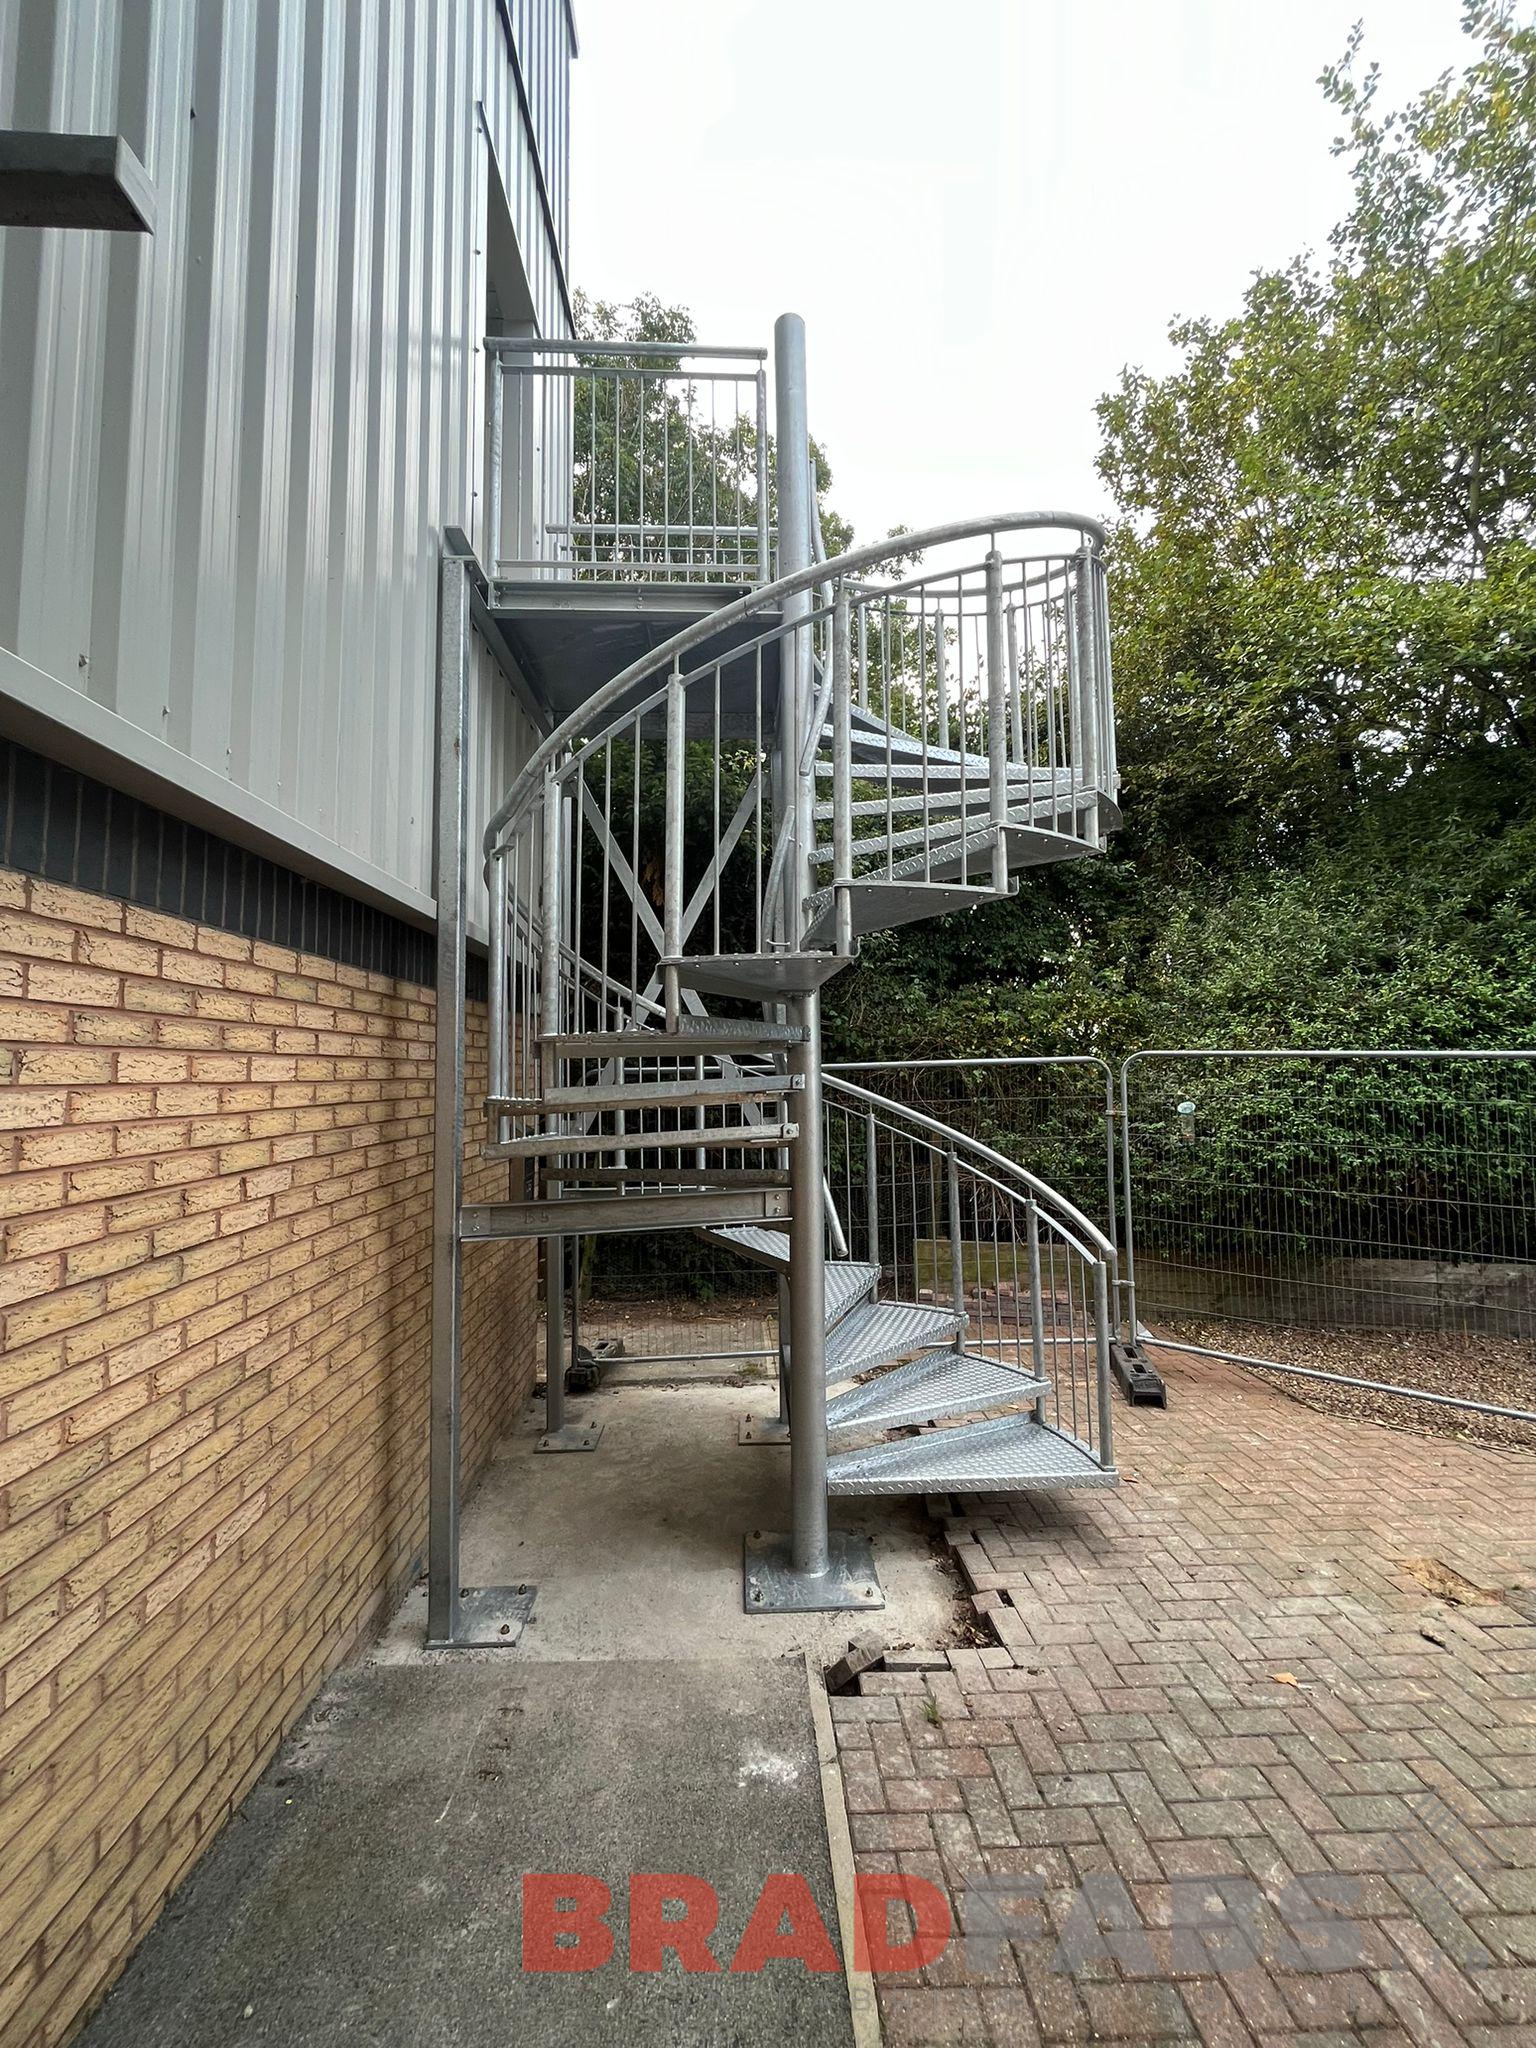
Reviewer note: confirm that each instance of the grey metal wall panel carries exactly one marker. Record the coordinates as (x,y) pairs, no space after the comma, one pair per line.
(229,448)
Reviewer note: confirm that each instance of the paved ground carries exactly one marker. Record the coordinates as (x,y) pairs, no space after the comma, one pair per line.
(1232,1772)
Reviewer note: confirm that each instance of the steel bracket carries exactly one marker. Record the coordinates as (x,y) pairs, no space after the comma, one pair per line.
(771,1585)
(571,1436)
(488,1618)
(762,1429)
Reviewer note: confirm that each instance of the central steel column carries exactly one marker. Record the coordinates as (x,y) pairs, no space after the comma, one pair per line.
(807,1307)
(806,1571)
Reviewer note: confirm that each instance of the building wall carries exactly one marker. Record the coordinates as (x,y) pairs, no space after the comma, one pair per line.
(232,446)
(215,1189)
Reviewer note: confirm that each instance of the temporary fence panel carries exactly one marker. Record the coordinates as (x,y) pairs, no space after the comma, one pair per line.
(1272,1197)
(1051,1114)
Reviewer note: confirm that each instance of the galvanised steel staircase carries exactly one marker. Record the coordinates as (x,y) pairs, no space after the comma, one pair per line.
(894,734)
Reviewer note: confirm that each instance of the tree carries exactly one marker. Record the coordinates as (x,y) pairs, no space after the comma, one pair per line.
(1323,588)
(656,454)
(1324,573)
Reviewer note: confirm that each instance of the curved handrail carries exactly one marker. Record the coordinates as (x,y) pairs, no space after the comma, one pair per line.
(530,779)
(1102,1247)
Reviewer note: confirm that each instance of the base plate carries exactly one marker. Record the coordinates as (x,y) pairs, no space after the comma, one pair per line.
(490,1618)
(762,1429)
(572,1436)
(771,1585)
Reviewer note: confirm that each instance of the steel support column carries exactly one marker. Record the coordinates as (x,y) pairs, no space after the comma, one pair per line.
(458,1617)
(808,1570)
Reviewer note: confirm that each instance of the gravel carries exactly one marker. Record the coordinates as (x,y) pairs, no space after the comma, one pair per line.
(1492,1369)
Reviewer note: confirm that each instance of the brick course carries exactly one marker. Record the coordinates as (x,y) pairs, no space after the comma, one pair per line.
(215,1192)
(1247,1780)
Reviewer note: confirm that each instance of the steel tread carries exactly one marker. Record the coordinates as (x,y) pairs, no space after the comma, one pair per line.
(1009,1454)
(939,1383)
(878,1332)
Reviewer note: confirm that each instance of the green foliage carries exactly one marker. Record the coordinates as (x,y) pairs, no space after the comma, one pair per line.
(1323,590)
(699,455)
(1324,579)
(1323,593)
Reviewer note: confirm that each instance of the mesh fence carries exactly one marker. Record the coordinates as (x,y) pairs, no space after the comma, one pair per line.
(1347,1191)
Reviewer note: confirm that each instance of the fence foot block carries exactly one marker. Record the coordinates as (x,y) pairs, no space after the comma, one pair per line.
(1141,1384)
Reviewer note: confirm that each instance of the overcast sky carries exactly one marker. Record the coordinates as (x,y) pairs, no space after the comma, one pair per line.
(982,208)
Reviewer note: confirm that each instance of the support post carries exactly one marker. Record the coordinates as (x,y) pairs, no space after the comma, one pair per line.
(806,1571)
(807,1310)
(559,1434)
(457,1617)
(495,371)
(1085,637)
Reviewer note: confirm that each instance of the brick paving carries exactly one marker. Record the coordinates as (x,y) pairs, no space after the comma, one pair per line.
(1143,1830)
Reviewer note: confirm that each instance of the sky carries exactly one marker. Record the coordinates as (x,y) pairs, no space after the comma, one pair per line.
(982,209)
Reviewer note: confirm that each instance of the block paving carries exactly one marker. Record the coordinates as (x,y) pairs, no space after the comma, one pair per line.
(1227,1771)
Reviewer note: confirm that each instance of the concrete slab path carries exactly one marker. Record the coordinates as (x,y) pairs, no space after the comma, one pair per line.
(370,1893)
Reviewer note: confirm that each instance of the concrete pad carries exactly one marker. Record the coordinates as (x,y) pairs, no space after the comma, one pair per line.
(369,1892)
(636,1547)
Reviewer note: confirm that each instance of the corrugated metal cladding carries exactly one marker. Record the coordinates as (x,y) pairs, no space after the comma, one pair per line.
(228,449)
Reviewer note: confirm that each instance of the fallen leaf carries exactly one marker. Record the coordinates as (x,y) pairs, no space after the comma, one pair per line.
(1289,1678)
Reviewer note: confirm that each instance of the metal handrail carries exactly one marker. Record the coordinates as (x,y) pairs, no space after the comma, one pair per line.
(1042,1206)
(995,1161)
(548,344)
(580,723)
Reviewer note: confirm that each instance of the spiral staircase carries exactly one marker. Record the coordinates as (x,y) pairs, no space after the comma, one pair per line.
(687,859)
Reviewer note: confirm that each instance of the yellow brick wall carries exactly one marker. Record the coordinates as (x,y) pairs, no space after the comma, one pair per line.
(215,1196)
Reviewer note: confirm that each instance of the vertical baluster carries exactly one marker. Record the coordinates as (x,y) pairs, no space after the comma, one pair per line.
(1036,1304)
(1101,1309)
(663,385)
(549,908)
(763,567)
(760,769)
(1108,765)
(494,369)
(888,719)
(997,723)
(956,1240)
(634,870)
(602,1022)
(872,1177)
(1086,621)
(842,777)
(940,672)
(497,982)
(672,882)
(1015,694)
